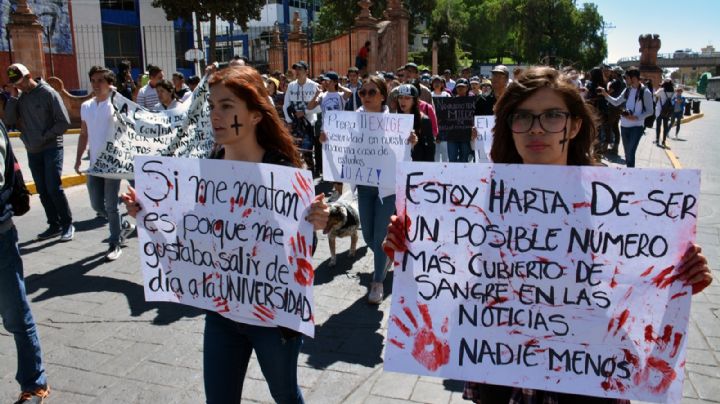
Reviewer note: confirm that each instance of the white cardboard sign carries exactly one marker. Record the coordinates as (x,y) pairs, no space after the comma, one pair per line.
(544,277)
(484,125)
(230,237)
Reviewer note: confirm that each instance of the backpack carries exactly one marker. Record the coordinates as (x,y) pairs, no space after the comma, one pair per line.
(639,95)
(667,107)
(14,191)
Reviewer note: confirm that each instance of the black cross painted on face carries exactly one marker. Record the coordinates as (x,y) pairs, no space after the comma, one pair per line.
(237,125)
(564,139)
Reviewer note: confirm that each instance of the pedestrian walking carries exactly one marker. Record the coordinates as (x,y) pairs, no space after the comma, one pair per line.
(41,115)
(638,102)
(247,128)
(678,103)
(298,116)
(96,115)
(15,310)
(167,98)
(424,148)
(663,111)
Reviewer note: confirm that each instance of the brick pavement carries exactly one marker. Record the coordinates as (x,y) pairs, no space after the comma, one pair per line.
(104,344)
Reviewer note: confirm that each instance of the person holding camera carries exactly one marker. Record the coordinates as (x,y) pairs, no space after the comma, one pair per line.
(638,102)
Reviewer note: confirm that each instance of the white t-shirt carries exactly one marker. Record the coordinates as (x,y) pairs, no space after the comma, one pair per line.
(98,119)
(442,94)
(147,96)
(331,102)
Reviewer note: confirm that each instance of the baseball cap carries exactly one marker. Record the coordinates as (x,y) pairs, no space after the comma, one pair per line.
(408,89)
(619,70)
(300,65)
(461,82)
(486,82)
(501,69)
(16,72)
(447,71)
(474,79)
(331,76)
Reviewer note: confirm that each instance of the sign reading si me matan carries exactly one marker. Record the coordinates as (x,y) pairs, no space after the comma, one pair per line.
(362,148)
(184,131)
(230,237)
(544,277)
(455,117)
(484,125)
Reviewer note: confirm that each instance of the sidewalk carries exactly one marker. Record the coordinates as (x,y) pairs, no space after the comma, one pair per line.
(104,344)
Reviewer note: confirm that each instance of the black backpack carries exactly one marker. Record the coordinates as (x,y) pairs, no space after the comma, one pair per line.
(667,108)
(14,190)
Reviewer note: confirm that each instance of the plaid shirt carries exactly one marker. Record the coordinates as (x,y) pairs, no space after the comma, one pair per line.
(474,392)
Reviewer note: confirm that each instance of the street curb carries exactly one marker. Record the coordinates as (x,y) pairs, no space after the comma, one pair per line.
(692,118)
(67,182)
(68,132)
(673,159)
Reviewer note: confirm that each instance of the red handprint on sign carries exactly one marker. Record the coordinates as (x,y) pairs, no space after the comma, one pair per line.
(305,272)
(656,365)
(428,349)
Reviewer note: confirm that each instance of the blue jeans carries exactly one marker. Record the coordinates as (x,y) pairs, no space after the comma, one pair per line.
(459,152)
(227,348)
(104,200)
(630,140)
(374,219)
(16,315)
(441,152)
(46,168)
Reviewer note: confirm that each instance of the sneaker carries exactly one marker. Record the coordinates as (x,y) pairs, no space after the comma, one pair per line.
(34,397)
(68,233)
(113,253)
(127,230)
(376,293)
(49,233)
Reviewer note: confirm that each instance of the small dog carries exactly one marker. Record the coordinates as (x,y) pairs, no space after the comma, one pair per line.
(344,220)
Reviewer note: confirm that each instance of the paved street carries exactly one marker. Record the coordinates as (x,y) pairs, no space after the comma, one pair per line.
(104,344)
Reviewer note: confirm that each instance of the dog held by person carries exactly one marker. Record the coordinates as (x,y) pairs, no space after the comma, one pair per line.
(344,221)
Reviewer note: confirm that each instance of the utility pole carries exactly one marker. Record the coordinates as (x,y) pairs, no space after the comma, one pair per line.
(606,26)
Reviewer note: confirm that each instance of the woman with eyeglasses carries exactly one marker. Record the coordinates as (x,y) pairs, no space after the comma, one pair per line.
(542,119)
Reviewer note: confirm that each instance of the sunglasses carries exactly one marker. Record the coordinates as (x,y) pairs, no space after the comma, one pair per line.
(368,93)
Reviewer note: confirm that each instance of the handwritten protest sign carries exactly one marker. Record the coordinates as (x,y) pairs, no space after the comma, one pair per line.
(229,237)
(455,117)
(484,125)
(544,277)
(184,131)
(363,148)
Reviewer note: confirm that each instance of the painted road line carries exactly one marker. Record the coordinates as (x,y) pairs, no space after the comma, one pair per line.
(67,182)
(68,132)
(673,159)
(692,118)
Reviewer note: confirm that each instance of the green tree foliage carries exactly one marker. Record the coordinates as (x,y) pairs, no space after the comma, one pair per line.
(236,11)
(528,31)
(338,16)
(449,17)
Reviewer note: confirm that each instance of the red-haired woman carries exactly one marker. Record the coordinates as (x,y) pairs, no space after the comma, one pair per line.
(238,96)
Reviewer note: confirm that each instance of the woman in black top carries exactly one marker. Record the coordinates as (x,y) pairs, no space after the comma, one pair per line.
(424,149)
(247,128)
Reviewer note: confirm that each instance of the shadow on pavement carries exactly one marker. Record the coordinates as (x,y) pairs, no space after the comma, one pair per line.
(90,224)
(454,385)
(614,158)
(73,279)
(352,336)
(324,273)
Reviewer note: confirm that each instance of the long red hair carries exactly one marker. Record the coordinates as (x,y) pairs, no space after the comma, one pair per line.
(271,133)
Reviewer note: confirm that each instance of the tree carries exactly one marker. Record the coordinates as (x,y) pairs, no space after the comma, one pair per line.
(449,17)
(236,11)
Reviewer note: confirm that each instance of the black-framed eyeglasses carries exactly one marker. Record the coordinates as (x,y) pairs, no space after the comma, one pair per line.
(370,93)
(550,121)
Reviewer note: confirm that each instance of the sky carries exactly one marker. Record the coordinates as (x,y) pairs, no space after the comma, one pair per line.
(681,24)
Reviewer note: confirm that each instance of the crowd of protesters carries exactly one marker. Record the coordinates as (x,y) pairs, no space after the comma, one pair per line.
(282,124)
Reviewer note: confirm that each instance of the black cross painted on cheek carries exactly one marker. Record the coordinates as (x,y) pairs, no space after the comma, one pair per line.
(564,139)
(237,125)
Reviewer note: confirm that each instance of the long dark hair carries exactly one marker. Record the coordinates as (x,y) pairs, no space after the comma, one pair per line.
(271,134)
(580,149)
(380,83)
(415,111)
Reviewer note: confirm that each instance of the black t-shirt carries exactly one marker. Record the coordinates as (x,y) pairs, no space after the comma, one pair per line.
(484,104)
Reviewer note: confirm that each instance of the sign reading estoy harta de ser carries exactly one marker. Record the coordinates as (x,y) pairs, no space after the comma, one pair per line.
(228,236)
(544,277)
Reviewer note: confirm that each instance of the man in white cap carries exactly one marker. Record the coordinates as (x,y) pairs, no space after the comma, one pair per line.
(42,118)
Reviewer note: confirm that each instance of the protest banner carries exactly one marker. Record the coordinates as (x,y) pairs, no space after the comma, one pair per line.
(362,148)
(544,277)
(455,117)
(484,125)
(184,131)
(228,236)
